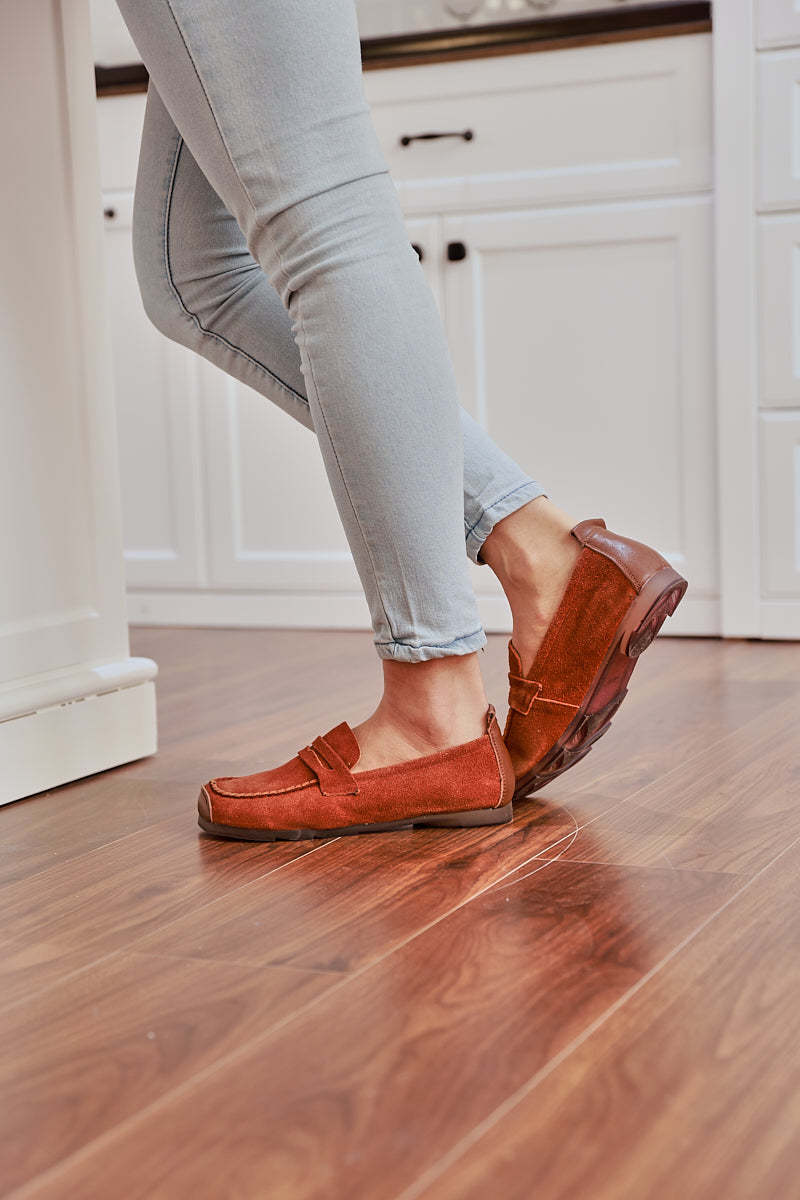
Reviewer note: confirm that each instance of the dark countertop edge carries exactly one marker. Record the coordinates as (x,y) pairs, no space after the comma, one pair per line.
(482,41)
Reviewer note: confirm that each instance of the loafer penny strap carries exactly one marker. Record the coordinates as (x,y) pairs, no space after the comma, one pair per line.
(522,693)
(332,771)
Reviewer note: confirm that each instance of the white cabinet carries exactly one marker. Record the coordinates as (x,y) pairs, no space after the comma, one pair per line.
(579,320)
(582,339)
(779,310)
(601,122)
(780,499)
(778,129)
(155,382)
(778,22)
(757,131)
(72,700)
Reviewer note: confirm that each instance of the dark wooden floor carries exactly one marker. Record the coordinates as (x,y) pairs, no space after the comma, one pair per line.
(597,1002)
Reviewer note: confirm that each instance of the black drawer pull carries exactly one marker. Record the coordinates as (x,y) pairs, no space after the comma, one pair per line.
(418,251)
(109,213)
(456,251)
(408,138)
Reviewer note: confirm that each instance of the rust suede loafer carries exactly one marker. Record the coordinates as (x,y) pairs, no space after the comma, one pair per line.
(317,794)
(618,597)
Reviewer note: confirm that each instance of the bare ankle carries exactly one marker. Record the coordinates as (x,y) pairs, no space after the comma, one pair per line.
(533,555)
(426,707)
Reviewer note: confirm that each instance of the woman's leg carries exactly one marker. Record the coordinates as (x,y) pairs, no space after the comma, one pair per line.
(203,288)
(269,99)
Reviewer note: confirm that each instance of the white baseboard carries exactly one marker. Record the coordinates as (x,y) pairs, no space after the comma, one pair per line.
(66,741)
(697,616)
(780,619)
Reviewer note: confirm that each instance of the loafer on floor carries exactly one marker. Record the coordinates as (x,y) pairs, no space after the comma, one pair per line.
(618,597)
(317,794)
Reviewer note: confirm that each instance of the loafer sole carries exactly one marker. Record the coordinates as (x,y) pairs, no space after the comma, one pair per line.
(447,820)
(657,600)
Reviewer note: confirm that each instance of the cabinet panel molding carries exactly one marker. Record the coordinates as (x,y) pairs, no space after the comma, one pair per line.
(272,521)
(778,129)
(778,22)
(780,498)
(155,385)
(779,310)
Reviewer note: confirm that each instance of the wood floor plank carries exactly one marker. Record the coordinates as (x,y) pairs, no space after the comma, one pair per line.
(670,717)
(691,1089)
(431,974)
(76,1062)
(68,917)
(363,898)
(52,828)
(374,1082)
(733,808)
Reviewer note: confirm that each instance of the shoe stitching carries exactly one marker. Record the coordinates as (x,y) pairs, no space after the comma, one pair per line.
(297,787)
(504,782)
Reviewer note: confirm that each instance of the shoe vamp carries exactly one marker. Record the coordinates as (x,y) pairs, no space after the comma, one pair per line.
(292,775)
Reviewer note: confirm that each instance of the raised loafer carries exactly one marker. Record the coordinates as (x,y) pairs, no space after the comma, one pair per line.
(316,794)
(618,597)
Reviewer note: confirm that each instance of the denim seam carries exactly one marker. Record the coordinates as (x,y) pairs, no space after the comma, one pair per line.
(256,221)
(302,330)
(494,503)
(184,307)
(434,645)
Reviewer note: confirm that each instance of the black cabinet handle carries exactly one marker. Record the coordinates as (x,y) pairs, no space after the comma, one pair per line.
(456,251)
(109,213)
(408,138)
(418,251)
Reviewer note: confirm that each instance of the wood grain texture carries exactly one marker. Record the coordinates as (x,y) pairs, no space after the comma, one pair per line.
(732,808)
(690,1089)
(684,697)
(598,998)
(66,918)
(362,897)
(79,1059)
(371,1085)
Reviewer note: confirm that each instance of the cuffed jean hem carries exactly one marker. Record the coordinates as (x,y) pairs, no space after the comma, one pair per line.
(495,512)
(404,652)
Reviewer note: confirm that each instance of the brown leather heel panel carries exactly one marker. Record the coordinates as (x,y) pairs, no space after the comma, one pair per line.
(637,561)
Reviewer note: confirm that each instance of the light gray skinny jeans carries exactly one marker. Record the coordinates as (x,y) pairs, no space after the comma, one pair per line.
(268,237)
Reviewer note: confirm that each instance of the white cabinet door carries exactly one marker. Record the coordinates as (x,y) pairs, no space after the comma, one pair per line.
(272,523)
(154,385)
(583,342)
(780,518)
(779,310)
(779,129)
(778,22)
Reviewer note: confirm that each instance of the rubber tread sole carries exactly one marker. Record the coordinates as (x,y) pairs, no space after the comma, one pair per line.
(448,820)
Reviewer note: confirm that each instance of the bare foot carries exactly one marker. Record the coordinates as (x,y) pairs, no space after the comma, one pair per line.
(426,707)
(533,554)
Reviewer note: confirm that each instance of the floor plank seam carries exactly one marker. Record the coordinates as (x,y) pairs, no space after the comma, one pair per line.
(464,1144)
(236,962)
(654,782)
(654,866)
(37,993)
(234,1055)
